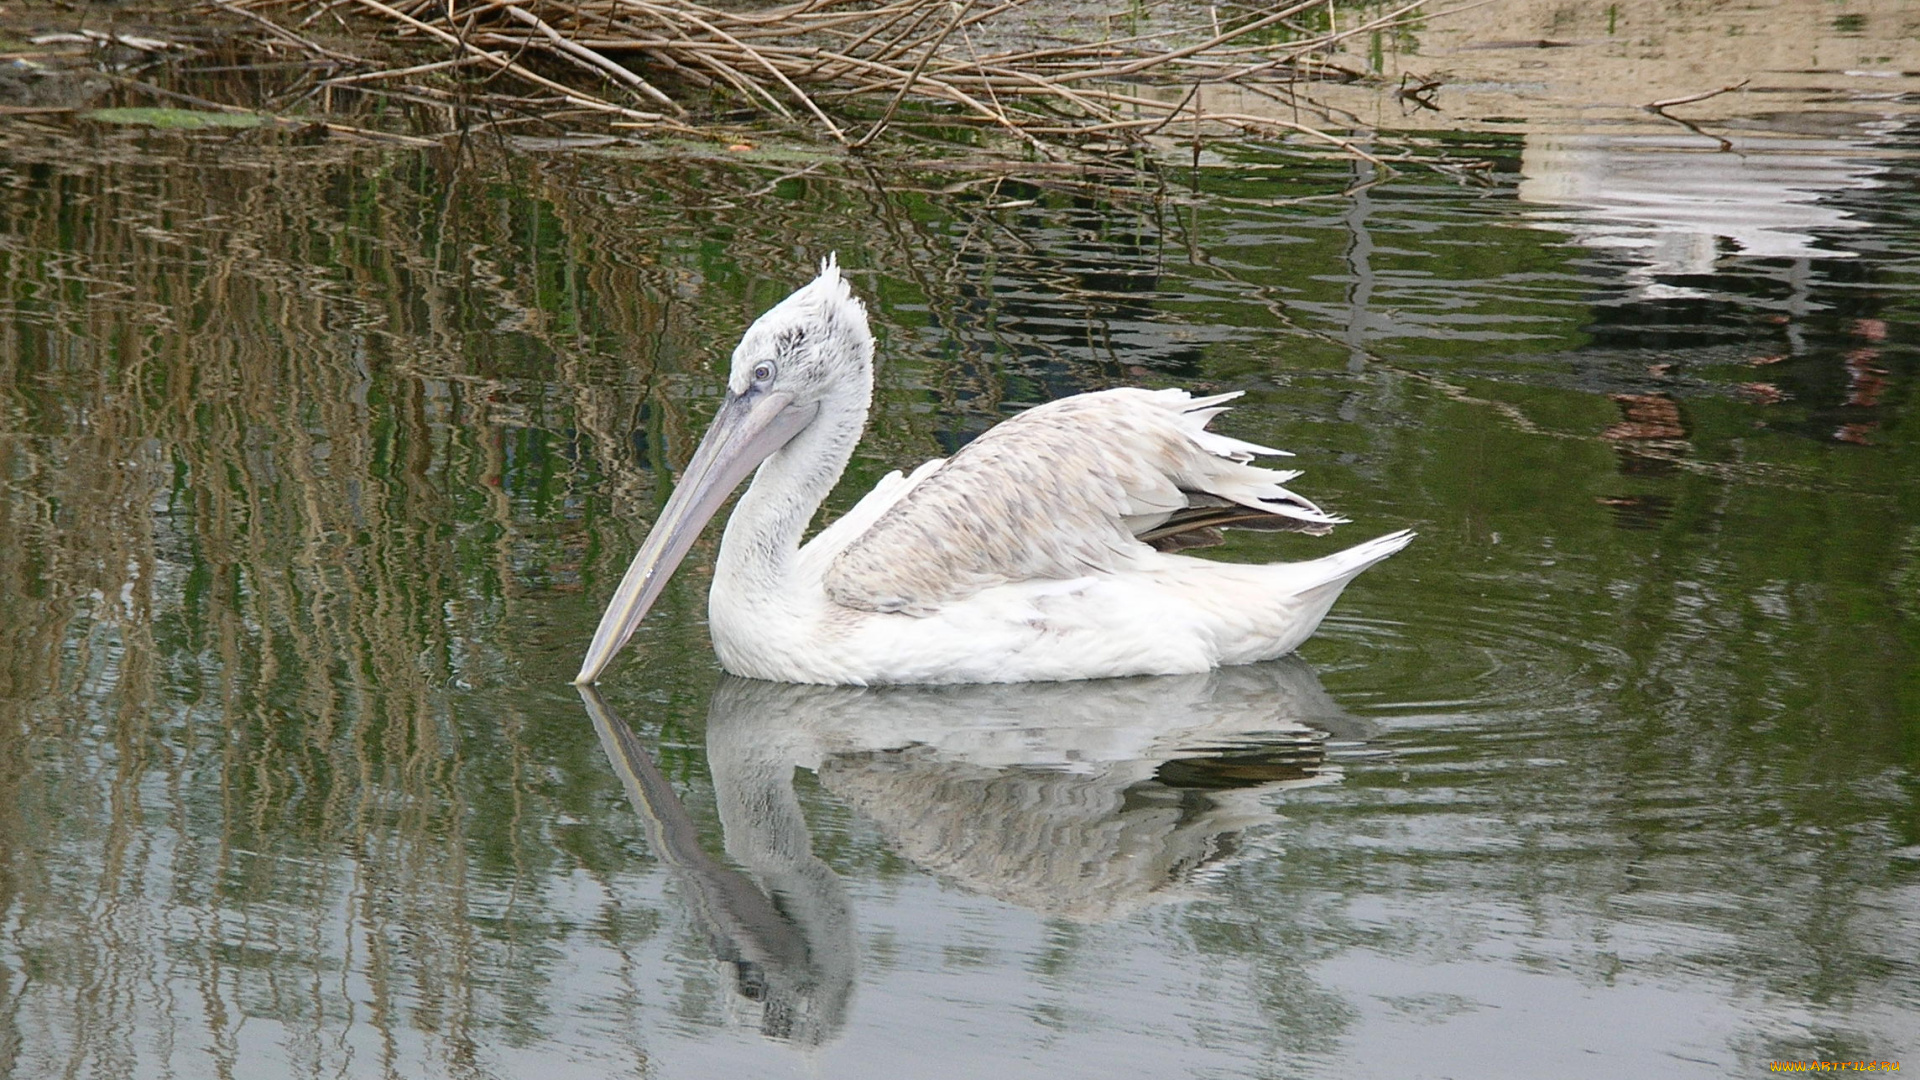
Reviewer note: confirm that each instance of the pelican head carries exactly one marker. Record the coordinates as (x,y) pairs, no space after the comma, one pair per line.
(810,355)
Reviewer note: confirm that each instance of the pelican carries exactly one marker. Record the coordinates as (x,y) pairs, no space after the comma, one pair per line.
(1041,551)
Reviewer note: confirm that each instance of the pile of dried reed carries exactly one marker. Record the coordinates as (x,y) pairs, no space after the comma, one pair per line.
(1044,71)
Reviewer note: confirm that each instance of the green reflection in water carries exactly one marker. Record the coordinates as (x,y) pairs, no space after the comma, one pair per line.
(318,466)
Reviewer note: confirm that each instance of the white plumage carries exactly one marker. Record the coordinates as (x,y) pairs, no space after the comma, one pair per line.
(1036,552)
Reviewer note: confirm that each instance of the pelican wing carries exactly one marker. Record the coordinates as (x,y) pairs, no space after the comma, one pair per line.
(1077,486)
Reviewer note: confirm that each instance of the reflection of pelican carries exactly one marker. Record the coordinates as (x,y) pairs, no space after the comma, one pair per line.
(1082,800)
(791,944)
(1033,553)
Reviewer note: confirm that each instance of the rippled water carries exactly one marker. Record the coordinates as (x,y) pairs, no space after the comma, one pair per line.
(320,463)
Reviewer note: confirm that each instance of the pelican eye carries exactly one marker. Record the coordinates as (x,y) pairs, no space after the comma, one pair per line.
(763,371)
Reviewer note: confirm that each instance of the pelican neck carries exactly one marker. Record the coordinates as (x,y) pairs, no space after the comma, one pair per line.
(762,537)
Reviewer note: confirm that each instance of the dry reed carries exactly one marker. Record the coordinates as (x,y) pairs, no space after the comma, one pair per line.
(1048,73)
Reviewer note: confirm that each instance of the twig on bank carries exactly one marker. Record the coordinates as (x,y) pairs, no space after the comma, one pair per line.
(1663,106)
(285,34)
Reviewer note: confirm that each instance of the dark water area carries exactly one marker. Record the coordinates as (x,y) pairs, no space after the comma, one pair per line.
(319,465)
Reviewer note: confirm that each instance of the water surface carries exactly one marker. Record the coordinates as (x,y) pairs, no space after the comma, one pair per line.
(319,464)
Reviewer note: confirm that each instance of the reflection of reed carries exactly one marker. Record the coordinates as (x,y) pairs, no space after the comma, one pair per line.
(264,501)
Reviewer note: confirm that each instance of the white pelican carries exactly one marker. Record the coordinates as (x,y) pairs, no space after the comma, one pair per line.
(1033,553)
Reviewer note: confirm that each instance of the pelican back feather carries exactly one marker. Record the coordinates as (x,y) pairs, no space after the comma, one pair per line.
(1086,484)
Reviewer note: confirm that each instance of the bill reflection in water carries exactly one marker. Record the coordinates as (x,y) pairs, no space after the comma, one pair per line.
(1085,801)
